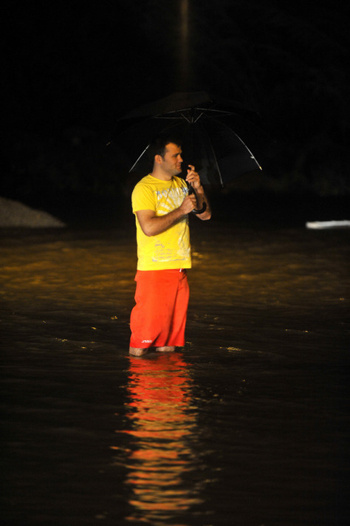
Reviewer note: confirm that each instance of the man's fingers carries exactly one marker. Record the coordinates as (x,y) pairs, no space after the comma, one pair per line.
(189,203)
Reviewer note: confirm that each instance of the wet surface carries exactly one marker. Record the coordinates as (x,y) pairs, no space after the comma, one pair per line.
(248,425)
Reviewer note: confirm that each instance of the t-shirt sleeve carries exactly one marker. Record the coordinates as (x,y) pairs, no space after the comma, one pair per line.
(142,198)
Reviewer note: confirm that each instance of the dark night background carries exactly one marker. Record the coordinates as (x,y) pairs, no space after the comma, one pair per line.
(71,70)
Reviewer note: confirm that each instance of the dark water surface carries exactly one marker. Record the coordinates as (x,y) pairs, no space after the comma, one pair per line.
(247,426)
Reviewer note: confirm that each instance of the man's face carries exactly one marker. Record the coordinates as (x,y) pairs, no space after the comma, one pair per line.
(172,160)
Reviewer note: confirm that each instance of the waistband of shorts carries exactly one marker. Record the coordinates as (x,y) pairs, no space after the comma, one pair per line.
(165,271)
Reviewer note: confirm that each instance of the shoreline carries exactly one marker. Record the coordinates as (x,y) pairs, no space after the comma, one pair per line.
(239,208)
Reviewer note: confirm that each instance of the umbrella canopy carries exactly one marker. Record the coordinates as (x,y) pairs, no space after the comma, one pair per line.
(205,129)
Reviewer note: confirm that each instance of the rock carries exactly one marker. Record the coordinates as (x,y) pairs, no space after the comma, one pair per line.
(16,214)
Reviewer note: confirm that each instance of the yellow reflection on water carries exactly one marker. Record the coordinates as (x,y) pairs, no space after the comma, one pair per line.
(160,456)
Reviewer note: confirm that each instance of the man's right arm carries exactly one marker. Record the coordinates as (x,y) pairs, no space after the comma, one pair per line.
(152,225)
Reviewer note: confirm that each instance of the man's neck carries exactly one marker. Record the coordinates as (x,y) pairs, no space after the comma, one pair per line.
(163,176)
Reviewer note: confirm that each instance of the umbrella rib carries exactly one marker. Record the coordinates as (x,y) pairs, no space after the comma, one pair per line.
(191,119)
(216,161)
(199,116)
(184,117)
(214,110)
(139,157)
(167,117)
(251,154)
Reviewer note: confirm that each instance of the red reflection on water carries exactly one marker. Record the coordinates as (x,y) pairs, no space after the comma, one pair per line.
(159,454)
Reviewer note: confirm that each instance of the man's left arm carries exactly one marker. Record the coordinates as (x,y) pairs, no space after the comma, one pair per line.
(194,180)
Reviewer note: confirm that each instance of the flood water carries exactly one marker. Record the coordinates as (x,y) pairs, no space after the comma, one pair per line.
(247,425)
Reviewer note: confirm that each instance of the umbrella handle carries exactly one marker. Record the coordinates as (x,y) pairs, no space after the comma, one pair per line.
(204,207)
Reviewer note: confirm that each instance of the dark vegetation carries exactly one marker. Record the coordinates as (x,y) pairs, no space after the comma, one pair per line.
(69,74)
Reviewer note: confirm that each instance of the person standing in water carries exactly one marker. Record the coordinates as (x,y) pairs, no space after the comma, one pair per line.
(162,202)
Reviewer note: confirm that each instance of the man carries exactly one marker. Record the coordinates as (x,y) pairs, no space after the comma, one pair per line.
(161,203)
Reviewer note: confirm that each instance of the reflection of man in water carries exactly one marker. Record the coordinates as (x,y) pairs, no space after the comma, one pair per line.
(162,432)
(161,204)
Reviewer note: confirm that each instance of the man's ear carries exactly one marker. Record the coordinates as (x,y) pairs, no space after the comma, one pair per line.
(158,159)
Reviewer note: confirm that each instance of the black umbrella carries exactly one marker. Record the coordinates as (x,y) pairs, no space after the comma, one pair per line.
(205,128)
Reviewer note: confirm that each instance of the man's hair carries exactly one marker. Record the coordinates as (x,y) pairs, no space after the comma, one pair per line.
(159,143)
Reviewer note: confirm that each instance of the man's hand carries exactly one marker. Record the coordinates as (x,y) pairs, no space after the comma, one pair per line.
(193,177)
(188,204)
(200,198)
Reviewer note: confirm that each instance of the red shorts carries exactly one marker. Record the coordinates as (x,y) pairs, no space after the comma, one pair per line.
(159,316)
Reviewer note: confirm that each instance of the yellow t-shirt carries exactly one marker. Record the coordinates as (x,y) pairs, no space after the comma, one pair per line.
(170,249)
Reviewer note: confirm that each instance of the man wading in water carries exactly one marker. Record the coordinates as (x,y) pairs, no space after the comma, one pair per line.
(161,203)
